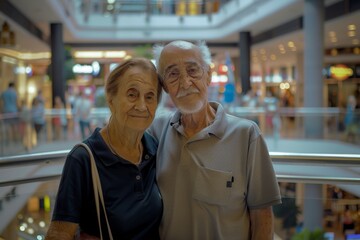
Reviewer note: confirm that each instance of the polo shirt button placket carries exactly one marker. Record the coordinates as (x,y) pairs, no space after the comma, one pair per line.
(146,157)
(138,177)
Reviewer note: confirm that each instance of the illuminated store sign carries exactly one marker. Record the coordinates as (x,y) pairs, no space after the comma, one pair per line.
(341,72)
(93,69)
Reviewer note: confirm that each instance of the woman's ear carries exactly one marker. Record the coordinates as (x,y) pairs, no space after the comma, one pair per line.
(209,76)
(110,103)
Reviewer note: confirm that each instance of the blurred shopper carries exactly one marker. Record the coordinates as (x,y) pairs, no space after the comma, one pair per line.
(214,170)
(83,108)
(251,101)
(60,119)
(26,128)
(38,118)
(348,222)
(9,108)
(125,159)
(272,115)
(40,98)
(351,126)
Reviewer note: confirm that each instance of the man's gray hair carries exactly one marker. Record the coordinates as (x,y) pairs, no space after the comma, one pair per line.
(204,50)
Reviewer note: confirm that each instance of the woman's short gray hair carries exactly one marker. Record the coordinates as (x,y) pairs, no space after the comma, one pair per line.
(201,44)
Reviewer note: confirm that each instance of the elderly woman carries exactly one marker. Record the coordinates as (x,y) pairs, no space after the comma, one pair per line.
(125,159)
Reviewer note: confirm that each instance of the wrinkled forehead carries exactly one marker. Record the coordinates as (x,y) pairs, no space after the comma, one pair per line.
(176,56)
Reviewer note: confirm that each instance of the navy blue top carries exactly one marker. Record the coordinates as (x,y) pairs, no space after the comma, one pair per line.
(132,199)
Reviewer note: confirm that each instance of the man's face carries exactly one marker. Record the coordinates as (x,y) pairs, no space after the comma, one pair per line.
(135,103)
(185,78)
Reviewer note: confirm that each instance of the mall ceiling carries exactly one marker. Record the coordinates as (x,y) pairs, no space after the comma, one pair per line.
(42,12)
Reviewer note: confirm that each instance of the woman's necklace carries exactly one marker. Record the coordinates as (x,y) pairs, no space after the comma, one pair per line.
(114,151)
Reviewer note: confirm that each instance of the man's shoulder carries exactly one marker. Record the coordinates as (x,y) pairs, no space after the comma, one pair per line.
(242,124)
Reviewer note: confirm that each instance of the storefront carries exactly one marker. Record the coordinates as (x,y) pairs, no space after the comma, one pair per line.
(341,81)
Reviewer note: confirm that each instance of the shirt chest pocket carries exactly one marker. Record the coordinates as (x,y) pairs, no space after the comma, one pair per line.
(213,186)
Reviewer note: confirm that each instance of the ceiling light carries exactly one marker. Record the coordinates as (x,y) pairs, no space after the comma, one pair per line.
(42,224)
(355,41)
(281,47)
(115,54)
(291,44)
(262,51)
(89,54)
(30,220)
(351,33)
(351,27)
(332,34)
(273,57)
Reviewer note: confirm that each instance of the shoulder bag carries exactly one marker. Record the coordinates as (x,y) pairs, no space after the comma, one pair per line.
(98,193)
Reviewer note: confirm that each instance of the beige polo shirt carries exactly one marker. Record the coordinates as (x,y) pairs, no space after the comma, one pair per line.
(209,182)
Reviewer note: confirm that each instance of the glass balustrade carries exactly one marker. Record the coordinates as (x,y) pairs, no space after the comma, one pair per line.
(26,210)
(28,197)
(284,130)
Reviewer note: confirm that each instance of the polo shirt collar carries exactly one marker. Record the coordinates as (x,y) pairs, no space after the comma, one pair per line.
(102,151)
(217,128)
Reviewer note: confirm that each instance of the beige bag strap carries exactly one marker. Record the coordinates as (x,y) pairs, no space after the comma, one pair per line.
(97,191)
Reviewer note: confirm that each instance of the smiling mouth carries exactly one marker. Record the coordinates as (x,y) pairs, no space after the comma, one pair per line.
(186,94)
(137,116)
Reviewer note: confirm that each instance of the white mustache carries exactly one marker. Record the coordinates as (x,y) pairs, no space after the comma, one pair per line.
(185,92)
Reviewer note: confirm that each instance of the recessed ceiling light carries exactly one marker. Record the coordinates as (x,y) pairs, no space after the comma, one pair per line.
(273,57)
(332,34)
(351,33)
(291,44)
(351,27)
(281,47)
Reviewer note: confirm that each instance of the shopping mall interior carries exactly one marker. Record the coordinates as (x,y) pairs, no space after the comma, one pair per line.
(294,65)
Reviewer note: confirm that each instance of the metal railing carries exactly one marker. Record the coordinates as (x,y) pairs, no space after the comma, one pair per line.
(278,158)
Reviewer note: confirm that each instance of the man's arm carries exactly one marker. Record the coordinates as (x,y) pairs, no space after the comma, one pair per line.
(61,230)
(262,224)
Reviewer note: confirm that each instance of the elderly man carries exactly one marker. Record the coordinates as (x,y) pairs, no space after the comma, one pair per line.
(213,169)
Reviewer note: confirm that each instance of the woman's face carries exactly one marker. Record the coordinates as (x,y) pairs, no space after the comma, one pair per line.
(135,104)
